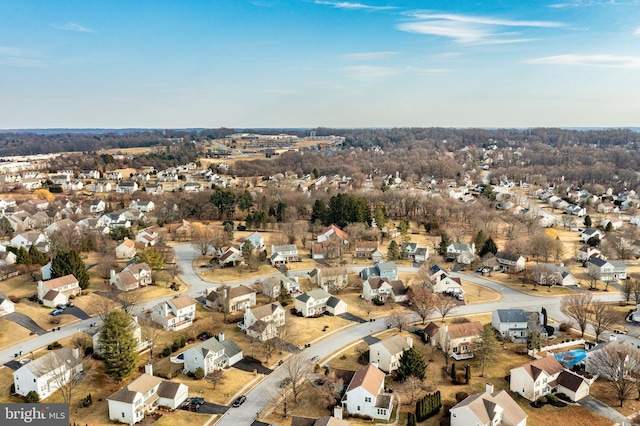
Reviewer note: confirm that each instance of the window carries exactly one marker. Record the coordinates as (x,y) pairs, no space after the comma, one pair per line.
(367,399)
(123,414)
(358,409)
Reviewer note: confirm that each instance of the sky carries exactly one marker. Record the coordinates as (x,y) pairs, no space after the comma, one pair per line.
(312,63)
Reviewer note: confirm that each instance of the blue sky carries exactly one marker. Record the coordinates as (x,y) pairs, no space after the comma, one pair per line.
(308,63)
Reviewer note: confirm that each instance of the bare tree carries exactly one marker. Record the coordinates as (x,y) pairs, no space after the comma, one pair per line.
(627,289)
(330,390)
(366,306)
(636,290)
(616,363)
(411,389)
(444,305)
(106,303)
(215,377)
(66,371)
(604,316)
(270,287)
(104,265)
(129,300)
(296,370)
(577,307)
(423,301)
(203,240)
(151,332)
(621,246)
(399,319)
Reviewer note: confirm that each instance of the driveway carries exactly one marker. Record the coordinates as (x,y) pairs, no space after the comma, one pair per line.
(599,407)
(350,317)
(211,408)
(77,312)
(26,322)
(249,364)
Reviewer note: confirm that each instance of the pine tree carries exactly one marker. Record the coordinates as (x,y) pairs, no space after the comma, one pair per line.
(445,241)
(36,256)
(453,372)
(411,420)
(70,262)
(587,221)
(22,258)
(118,344)
(467,373)
(411,363)
(319,212)
(488,247)
(393,252)
(480,240)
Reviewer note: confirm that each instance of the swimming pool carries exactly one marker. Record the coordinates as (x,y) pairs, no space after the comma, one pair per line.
(571,358)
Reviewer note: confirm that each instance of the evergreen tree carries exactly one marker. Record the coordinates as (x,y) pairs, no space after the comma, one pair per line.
(70,262)
(151,256)
(245,200)
(488,247)
(453,372)
(23,258)
(411,420)
(467,373)
(445,241)
(319,212)
(609,227)
(587,221)
(485,346)
(480,240)
(380,215)
(36,257)
(545,320)
(225,201)
(404,229)
(411,363)
(393,252)
(118,344)
(119,233)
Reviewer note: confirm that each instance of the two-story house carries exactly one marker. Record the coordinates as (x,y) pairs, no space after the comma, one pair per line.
(317,302)
(282,254)
(257,242)
(31,238)
(127,187)
(408,249)
(334,278)
(457,339)
(510,262)
(365,249)
(333,233)
(143,395)
(100,186)
(513,324)
(154,189)
(131,277)
(590,233)
(387,270)
(144,206)
(386,353)
(126,249)
(6,305)
(58,290)
(47,374)
(264,322)
(550,274)
(587,252)
(488,409)
(175,314)
(212,354)
(384,290)
(230,299)
(607,270)
(546,375)
(461,252)
(365,395)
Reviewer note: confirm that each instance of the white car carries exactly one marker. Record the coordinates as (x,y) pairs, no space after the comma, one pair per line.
(25,361)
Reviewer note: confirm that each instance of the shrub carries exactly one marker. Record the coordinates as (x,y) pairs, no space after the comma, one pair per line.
(461,396)
(552,398)
(15,299)
(461,377)
(446,406)
(542,400)
(377,301)
(32,398)
(521,349)
(565,326)
(199,373)
(550,330)
(166,351)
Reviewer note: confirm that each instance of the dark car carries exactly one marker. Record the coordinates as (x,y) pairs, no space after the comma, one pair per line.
(239,401)
(61,306)
(285,382)
(197,400)
(57,312)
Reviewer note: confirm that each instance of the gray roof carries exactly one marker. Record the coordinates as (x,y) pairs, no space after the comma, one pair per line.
(285,248)
(230,348)
(333,301)
(386,266)
(597,261)
(513,315)
(303,297)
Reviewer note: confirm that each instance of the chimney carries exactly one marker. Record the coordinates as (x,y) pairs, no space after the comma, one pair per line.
(112,273)
(410,341)
(221,337)
(76,353)
(489,387)
(337,412)
(148,369)
(325,288)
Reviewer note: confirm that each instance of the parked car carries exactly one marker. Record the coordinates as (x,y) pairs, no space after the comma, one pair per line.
(70,305)
(460,296)
(61,306)
(285,382)
(315,358)
(57,312)
(239,401)
(25,361)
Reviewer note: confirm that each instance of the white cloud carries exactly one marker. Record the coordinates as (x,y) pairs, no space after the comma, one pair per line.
(72,26)
(354,6)
(368,56)
(585,3)
(486,20)
(637,31)
(607,61)
(19,57)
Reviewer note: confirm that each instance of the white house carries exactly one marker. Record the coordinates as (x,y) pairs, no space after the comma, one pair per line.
(386,353)
(589,233)
(513,324)
(333,233)
(126,249)
(48,373)
(6,305)
(334,278)
(143,395)
(461,252)
(281,254)
(58,290)
(132,277)
(257,242)
(607,270)
(263,322)
(444,283)
(587,252)
(317,302)
(546,375)
(488,409)
(175,314)
(148,237)
(457,340)
(383,290)
(97,206)
(212,354)
(365,395)
(144,206)
(31,238)
(510,262)
(128,187)
(550,274)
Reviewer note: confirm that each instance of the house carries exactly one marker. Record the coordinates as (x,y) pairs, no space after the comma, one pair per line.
(333,233)
(100,186)
(180,230)
(148,237)
(384,290)
(320,421)
(273,286)
(590,233)
(576,210)
(231,257)
(47,374)
(550,274)
(587,252)
(264,322)
(144,206)
(31,238)
(444,283)
(131,277)
(512,324)
(546,375)
(192,187)
(154,189)
(6,305)
(7,258)
(143,395)
(283,254)
(607,270)
(409,249)
(142,344)
(257,242)
(212,354)
(461,253)
(89,174)
(365,395)
(113,220)
(390,232)
(231,299)
(31,184)
(488,409)
(329,249)
(175,314)
(615,223)
(317,302)
(457,339)
(113,176)
(387,270)
(421,255)
(510,262)
(364,249)
(386,353)
(126,249)
(58,290)
(334,278)
(128,187)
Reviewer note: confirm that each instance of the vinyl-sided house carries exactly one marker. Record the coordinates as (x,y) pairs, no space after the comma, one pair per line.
(444,283)
(143,395)
(546,375)
(231,299)
(131,277)
(257,242)
(383,290)
(365,249)
(58,290)
(488,409)
(263,322)
(513,324)
(317,302)
(212,354)
(333,278)
(386,353)
(607,270)
(6,305)
(587,252)
(457,339)
(283,254)
(510,262)
(126,249)
(365,395)
(461,252)
(589,233)
(387,270)
(333,233)
(551,274)
(175,314)
(48,373)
